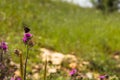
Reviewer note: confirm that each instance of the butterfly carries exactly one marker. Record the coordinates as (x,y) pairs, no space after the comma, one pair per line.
(26,29)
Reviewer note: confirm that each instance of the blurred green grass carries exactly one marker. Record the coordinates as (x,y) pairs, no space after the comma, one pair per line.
(65,27)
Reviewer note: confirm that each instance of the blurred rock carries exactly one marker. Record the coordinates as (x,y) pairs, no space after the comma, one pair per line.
(45,53)
(17,73)
(96,75)
(52,70)
(85,63)
(116,55)
(89,75)
(70,58)
(13,64)
(73,65)
(36,68)
(35,76)
(57,58)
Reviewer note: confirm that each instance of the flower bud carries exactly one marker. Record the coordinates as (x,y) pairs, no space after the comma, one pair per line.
(30,43)
(17,52)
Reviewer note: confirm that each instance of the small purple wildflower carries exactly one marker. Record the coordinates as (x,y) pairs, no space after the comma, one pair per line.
(26,37)
(3,46)
(12,78)
(15,78)
(72,72)
(18,78)
(102,77)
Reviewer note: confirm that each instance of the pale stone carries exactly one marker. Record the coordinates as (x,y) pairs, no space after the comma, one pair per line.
(57,58)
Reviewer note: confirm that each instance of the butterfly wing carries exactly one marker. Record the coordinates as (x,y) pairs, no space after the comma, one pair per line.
(26,29)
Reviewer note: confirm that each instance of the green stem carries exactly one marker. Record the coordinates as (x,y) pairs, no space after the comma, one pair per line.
(21,65)
(1,57)
(27,52)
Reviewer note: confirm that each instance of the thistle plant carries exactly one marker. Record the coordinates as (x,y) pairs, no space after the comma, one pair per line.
(28,43)
(5,68)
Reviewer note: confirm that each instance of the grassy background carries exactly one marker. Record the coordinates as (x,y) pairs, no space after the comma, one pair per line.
(65,27)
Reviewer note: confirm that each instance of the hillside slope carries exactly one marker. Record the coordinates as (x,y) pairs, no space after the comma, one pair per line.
(65,27)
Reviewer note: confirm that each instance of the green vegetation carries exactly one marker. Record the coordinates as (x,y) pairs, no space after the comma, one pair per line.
(106,5)
(65,27)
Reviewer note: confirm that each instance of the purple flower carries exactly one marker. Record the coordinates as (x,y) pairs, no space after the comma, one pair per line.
(15,78)
(12,78)
(3,46)
(102,77)
(26,37)
(72,72)
(18,78)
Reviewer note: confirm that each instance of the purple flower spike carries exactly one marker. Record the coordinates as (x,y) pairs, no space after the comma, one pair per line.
(72,72)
